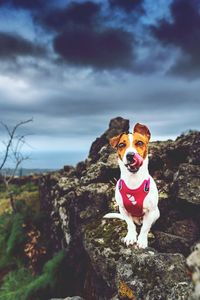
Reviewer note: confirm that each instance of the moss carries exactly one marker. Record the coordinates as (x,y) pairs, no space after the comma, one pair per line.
(163,195)
(106,233)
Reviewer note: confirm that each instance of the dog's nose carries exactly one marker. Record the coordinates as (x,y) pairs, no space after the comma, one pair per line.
(130,157)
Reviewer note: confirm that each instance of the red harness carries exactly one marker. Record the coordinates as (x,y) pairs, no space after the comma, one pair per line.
(133,199)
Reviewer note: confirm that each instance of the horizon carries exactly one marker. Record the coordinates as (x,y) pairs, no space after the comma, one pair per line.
(72,158)
(74,65)
(55,160)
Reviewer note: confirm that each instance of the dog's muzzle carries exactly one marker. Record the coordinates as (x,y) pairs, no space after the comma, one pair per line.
(134,162)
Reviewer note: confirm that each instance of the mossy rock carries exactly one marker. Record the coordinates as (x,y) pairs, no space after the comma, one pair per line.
(109,233)
(104,233)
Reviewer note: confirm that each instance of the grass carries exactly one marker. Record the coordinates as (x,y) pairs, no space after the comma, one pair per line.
(31,198)
(28,193)
(22,285)
(21,231)
(14,283)
(4,206)
(16,236)
(18,189)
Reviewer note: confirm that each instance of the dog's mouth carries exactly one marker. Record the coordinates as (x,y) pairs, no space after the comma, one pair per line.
(134,166)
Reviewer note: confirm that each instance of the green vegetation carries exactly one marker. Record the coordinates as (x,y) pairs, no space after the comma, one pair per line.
(28,268)
(22,285)
(17,236)
(14,284)
(27,192)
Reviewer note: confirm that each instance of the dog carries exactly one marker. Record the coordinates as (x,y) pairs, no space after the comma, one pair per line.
(136,192)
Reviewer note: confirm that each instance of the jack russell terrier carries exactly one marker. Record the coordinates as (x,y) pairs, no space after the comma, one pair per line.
(136,192)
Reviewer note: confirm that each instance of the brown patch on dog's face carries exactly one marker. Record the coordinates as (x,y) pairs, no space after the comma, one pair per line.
(141,137)
(121,143)
(140,143)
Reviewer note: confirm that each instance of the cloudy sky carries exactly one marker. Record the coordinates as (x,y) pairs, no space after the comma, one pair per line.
(74,65)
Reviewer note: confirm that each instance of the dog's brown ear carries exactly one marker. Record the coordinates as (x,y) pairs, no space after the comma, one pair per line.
(142,129)
(115,141)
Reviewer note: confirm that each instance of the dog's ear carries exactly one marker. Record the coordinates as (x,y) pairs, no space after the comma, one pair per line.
(142,129)
(114,141)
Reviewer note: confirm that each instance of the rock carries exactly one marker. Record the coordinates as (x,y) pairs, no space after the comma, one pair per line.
(74,298)
(168,155)
(100,266)
(156,156)
(80,168)
(193,262)
(186,186)
(116,126)
(185,228)
(170,243)
(69,298)
(168,175)
(143,274)
(170,280)
(101,172)
(91,201)
(189,143)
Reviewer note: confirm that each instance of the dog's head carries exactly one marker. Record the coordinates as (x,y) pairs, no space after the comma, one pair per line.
(132,148)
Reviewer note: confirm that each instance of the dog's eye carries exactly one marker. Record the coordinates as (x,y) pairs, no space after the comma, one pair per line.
(139,143)
(121,145)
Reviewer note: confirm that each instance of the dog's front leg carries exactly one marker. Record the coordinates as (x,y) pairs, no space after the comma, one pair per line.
(149,218)
(131,237)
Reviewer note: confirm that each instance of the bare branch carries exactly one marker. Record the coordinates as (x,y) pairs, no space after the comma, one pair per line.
(11,134)
(15,169)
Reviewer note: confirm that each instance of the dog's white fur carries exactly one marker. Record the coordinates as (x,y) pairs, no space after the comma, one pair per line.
(150,205)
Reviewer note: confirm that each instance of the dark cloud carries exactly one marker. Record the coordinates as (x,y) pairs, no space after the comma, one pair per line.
(107,49)
(76,14)
(183,32)
(82,34)
(28,4)
(25,4)
(14,45)
(128,5)
(84,39)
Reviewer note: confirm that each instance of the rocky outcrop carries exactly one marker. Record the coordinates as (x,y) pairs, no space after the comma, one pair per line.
(136,274)
(116,126)
(100,266)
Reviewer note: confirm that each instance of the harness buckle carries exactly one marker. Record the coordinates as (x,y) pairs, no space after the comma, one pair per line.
(146,186)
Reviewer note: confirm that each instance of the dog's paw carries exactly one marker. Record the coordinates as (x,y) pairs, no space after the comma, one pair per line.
(130,239)
(142,242)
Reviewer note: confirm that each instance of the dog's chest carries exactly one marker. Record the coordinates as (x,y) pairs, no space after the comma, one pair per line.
(133,199)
